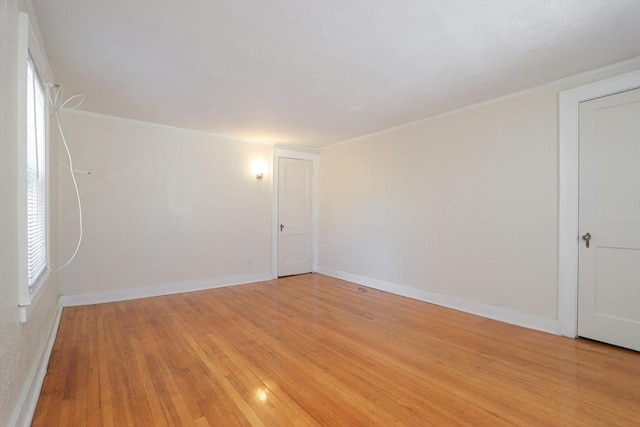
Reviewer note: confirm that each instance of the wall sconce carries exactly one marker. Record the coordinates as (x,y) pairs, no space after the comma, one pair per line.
(259,167)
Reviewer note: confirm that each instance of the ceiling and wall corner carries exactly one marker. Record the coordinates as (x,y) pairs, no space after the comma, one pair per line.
(320,72)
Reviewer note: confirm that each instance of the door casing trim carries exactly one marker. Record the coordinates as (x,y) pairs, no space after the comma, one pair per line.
(568,239)
(315,159)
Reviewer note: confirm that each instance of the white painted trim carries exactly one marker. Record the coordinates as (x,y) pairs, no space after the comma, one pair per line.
(274,216)
(631,61)
(160,290)
(36,46)
(315,209)
(568,202)
(24,297)
(29,42)
(297,148)
(26,407)
(477,308)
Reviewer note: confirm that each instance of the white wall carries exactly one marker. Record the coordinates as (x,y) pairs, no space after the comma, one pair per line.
(21,345)
(463,205)
(162,207)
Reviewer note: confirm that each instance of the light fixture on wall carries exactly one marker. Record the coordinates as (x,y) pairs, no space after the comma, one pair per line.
(259,167)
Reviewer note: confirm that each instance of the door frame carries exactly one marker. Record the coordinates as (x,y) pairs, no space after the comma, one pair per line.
(568,192)
(300,154)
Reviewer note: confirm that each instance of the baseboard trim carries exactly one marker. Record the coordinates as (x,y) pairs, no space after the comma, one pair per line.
(477,308)
(29,398)
(160,290)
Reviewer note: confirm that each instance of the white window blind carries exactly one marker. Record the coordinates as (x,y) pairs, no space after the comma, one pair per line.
(36,177)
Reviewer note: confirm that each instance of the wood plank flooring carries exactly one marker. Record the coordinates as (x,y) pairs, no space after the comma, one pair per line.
(317,351)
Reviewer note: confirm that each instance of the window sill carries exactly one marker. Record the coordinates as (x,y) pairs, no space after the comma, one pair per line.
(26,305)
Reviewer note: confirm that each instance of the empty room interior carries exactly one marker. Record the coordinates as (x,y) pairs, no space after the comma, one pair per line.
(319,213)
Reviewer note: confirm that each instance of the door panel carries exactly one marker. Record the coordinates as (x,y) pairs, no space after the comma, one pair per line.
(609,269)
(294,215)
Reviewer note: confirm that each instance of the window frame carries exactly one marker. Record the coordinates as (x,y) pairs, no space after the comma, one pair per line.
(30,52)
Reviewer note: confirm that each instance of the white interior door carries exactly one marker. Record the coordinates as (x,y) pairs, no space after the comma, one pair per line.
(609,254)
(295,229)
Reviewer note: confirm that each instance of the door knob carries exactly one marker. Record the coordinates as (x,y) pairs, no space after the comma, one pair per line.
(586,238)
(281,227)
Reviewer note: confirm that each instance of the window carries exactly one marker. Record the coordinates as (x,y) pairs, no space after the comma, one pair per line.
(36,151)
(32,178)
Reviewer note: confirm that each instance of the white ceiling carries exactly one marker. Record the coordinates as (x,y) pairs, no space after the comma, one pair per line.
(318,72)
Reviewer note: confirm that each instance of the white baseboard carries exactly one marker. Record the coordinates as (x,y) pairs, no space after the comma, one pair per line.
(29,397)
(480,309)
(160,290)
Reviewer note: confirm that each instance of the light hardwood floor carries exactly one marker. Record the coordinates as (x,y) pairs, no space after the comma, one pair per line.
(316,351)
